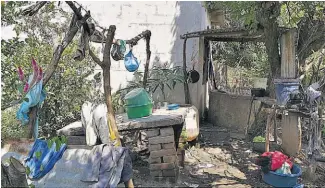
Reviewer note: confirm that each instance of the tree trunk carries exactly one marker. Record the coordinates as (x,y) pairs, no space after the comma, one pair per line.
(267,13)
(114,135)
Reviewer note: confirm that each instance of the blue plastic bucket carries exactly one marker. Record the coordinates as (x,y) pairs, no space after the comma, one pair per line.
(283,90)
(283,180)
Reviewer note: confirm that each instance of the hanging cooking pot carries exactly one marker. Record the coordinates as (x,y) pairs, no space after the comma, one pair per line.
(193,76)
(118,50)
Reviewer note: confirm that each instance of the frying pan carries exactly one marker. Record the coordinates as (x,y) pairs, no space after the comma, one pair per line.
(193,76)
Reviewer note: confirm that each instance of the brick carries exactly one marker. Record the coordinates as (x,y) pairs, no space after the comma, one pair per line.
(155,160)
(167,131)
(169,173)
(169,159)
(166,179)
(76,140)
(163,152)
(156,173)
(168,146)
(161,140)
(154,147)
(152,132)
(162,166)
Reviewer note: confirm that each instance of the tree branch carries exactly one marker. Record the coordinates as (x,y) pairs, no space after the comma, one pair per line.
(33,9)
(95,58)
(146,67)
(73,29)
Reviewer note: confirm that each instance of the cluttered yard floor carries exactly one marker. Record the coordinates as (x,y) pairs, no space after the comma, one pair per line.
(222,160)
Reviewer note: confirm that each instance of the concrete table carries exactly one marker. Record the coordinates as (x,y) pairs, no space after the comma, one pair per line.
(163,130)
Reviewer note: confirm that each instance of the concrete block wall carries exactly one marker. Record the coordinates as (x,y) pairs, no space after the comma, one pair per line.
(167,21)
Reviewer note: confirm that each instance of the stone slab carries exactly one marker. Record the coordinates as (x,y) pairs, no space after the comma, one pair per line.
(161,140)
(160,118)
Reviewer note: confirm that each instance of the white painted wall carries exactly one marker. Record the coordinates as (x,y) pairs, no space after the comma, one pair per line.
(166,21)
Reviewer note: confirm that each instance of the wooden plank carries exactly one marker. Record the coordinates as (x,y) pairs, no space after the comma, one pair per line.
(288,54)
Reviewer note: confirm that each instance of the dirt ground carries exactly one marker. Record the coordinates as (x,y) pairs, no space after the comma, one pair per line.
(222,160)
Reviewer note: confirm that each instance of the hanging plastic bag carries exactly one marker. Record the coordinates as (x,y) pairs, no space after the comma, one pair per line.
(118,50)
(131,63)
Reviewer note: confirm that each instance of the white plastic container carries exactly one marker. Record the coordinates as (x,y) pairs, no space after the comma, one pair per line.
(191,127)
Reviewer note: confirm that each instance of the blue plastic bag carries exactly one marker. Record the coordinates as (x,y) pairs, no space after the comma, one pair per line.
(131,63)
(36,95)
(42,158)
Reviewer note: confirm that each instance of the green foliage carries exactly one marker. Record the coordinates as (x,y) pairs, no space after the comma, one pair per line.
(10,126)
(259,139)
(67,89)
(159,78)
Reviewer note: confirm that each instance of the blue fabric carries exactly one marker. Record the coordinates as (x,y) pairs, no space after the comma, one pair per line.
(131,63)
(36,96)
(39,167)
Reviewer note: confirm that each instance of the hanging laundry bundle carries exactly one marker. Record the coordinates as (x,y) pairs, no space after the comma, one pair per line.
(118,50)
(131,63)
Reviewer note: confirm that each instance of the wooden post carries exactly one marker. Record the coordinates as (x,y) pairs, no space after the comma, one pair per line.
(186,90)
(106,66)
(146,67)
(291,127)
(269,121)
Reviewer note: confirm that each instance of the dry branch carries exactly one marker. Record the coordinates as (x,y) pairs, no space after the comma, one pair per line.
(33,9)
(73,29)
(146,67)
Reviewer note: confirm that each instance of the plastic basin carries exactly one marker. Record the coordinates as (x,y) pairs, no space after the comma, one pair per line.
(283,90)
(283,180)
(173,106)
(138,96)
(138,111)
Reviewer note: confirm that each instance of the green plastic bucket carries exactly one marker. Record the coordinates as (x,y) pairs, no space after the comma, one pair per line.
(138,111)
(136,97)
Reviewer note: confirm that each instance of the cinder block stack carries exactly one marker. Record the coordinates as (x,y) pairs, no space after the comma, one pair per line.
(163,156)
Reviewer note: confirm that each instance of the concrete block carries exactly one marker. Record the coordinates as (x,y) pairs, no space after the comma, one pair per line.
(155,160)
(154,147)
(76,140)
(162,166)
(167,131)
(169,173)
(163,152)
(156,173)
(166,179)
(161,140)
(152,132)
(169,159)
(168,146)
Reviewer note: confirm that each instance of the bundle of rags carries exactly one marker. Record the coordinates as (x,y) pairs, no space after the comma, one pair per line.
(271,161)
(108,166)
